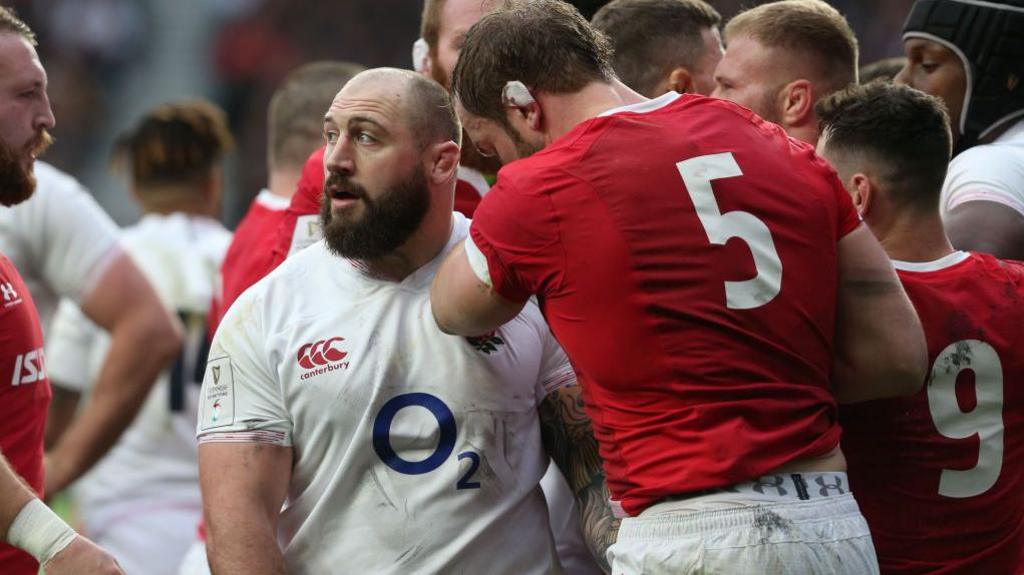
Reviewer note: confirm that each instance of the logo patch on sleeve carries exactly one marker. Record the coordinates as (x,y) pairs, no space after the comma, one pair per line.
(218,402)
(307,232)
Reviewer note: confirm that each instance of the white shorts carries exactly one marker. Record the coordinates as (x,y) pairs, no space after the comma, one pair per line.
(146,540)
(195,562)
(759,534)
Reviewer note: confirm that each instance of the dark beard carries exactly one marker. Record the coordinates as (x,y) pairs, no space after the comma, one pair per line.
(523,148)
(16,183)
(386,223)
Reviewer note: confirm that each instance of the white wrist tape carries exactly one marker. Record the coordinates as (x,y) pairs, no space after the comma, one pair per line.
(40,532)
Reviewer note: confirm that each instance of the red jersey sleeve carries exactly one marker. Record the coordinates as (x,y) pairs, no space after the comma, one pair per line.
(517,231)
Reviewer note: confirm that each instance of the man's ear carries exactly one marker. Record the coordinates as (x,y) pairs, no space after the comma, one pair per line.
(797,103)
(681,80)
(863,191)
(443,161)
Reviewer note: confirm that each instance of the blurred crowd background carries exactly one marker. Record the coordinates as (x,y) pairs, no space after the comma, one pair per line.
(111,60)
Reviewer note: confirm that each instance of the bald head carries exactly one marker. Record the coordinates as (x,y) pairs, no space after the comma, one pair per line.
(422,104)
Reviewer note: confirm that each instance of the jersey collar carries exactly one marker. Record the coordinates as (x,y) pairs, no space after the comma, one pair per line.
(644,107)
(934,265)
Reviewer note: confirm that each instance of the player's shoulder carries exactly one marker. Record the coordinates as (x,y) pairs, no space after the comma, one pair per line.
(196,235)
(966,268)
(1010,271)
(302,274)
(994,162)
(55,189)
(265,211)
(50,180)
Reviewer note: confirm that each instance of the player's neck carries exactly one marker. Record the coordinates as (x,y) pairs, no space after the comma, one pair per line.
(283,181)
(807,132)
(914,239)
(563,112)
(422,246)
(166,201)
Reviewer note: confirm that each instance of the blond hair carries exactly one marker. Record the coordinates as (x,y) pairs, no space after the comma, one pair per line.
(815,31)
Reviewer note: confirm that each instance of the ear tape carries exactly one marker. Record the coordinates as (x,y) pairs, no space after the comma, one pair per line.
(420,49)
(516,94)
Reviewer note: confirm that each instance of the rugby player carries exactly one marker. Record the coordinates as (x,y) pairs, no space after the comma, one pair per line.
(967,54)
(695,264)
(782,57)
(293,126)
(33,534)
(663,45)
(65,246)
(394,447)
(142,501)
(938,474)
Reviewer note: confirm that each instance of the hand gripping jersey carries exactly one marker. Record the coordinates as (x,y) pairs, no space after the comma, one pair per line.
(153,466)
(693,286)
(940,475)
(59,239)
(24,397)
(301,227)
(251,251)
(414,451)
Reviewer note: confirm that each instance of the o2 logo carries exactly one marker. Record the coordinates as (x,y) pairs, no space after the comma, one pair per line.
(445,446)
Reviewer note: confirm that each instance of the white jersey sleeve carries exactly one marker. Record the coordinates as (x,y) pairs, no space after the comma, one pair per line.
(69,233)
(71,348)
(241,400)
(555,370)
(991,172)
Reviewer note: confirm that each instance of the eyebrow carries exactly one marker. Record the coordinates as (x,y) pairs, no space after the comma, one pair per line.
(365,120)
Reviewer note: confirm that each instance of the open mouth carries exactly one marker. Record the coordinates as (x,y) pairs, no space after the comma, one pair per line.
(337,193)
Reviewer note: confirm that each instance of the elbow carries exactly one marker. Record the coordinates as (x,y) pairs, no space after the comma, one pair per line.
(172,334)
(908,376)
(162,333)
(907,365)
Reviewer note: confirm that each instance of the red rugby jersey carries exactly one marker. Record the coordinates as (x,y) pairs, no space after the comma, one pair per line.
(24,397)
(249,256)
(685,255)
(301,224)
(940,475)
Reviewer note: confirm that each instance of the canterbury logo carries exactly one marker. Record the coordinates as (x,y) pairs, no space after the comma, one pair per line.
(320,353)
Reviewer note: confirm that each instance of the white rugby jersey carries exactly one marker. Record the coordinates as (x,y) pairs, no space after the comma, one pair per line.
(59,240)
(991,172)
(155,459)
(414,451)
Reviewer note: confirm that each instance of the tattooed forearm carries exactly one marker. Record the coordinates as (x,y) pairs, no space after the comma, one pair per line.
(570,442)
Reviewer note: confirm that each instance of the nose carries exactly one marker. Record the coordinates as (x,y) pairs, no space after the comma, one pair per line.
(338,157)
(44,119)
(901,77)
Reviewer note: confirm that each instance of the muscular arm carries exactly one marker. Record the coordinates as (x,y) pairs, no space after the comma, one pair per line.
(986,227)
(879,348)
(464,305)
(244,485)
(14,494)
(144,338)
(570,442)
